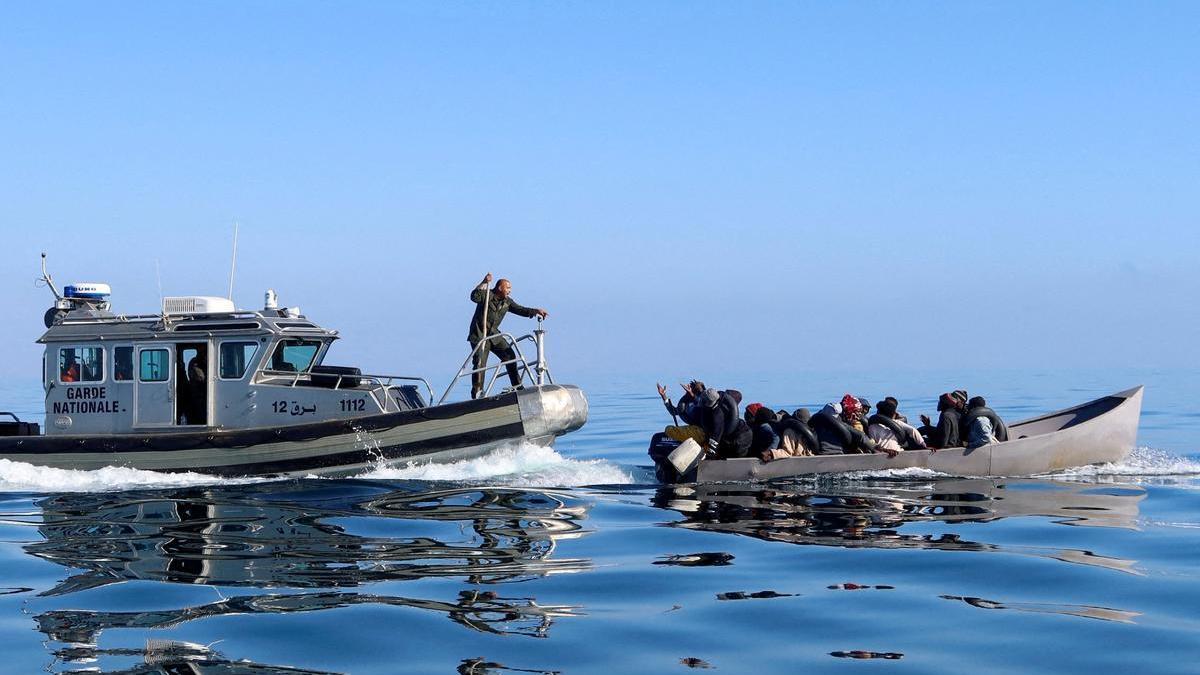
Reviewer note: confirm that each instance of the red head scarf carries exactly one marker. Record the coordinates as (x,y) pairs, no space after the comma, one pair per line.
(850,406)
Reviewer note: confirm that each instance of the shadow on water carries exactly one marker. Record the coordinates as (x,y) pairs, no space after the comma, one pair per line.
(874,513)
(305,535)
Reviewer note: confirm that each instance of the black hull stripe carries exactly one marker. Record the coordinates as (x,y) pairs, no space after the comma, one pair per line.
(358,456)
(348,457)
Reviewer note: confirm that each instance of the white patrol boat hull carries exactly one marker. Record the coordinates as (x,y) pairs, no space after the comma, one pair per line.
(442,433)
(1103,430)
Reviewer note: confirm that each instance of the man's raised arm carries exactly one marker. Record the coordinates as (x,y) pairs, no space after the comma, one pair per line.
(479,293)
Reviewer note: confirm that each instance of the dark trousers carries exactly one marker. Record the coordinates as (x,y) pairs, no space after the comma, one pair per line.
(501,349)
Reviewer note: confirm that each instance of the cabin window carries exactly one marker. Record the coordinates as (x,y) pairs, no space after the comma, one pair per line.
(154,365)
(236,357)
(80,364)
(294,356)
(122,364)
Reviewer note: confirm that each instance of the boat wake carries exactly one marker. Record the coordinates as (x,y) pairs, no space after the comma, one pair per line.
(22,477)
(518,464)
(1142,462)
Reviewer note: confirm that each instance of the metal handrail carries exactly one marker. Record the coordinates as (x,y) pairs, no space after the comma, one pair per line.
(539,373)
(383,381)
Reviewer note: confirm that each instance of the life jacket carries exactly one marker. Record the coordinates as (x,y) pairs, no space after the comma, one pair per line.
(999,430)
(834,435)
(902,435)
(807,437)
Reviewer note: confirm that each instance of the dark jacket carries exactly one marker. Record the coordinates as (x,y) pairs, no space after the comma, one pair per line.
(999,429)
(497,308)
(836,437)
(764,437)
(728,434)
(947,433)
(687,410)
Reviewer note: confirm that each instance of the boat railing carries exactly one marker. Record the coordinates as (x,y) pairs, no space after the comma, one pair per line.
(380,385)
(536,371)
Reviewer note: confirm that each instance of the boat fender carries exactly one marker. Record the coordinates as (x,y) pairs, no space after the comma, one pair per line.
(686,456)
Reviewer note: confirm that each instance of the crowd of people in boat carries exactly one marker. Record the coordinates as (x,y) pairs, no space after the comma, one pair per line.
(711,417)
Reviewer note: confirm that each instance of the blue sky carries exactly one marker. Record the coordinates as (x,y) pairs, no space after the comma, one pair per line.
(759,185)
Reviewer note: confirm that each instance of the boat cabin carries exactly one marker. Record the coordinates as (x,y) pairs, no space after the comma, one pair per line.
(200,363)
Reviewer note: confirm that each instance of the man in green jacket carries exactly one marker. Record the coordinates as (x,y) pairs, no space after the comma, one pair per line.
(491,307)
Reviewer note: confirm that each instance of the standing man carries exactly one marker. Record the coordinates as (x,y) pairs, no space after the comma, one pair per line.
(490,307)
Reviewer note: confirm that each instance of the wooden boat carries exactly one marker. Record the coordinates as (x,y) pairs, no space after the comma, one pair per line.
(1103,430)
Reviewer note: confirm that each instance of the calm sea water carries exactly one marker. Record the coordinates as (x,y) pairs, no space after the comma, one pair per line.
(572,560)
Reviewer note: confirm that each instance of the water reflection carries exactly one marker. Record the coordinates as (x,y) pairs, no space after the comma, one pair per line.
(166,657)
(303,535)
(872,514)
(1083,611)
(482,666)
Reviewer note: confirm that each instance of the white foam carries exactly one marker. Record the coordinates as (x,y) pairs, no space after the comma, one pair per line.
(22,477)
(518,464)
(1143,461)
(907,473)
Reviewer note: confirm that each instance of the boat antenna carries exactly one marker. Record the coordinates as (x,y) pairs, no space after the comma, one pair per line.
(47,280)
(233,264)
(158,276)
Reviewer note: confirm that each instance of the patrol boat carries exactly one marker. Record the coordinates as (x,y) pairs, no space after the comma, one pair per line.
(202,386)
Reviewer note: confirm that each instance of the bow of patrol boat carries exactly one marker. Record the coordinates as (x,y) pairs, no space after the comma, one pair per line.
(551,410)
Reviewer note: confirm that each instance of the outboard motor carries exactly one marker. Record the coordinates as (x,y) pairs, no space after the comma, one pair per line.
(79,296)
(674,462)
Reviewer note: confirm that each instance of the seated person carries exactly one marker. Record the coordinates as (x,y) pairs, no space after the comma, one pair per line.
(889,433)
(947,433)
(796,437)
(70,370)
(688,408)
(728,434)
(852,412)
(834,432)
(896,403)
(981,425)
(764,435)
